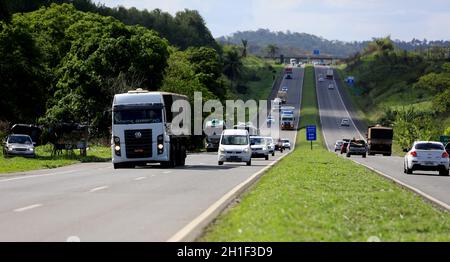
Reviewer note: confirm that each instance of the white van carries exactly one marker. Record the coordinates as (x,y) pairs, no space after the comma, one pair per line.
(235,147)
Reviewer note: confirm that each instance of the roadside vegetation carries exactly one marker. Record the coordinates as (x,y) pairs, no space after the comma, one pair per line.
(408,90)
(326,198)
(45,160)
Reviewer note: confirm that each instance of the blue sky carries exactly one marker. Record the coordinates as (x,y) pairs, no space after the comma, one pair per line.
(346,20)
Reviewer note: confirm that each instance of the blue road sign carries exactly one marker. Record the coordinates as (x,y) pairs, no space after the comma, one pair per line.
(311,133)
(316,52)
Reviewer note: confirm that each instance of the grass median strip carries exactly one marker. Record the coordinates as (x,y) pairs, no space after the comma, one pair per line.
(317,196)
(45,160)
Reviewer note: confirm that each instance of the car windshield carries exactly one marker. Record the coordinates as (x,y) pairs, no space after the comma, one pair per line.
(20,140)
(256,141)
(234,140)
(137,116)
(269,140)
(429,146)
(285,141)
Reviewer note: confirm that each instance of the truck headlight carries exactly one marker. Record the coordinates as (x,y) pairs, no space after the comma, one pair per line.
(116,140)
(160,146)
(222,149)
(117,148)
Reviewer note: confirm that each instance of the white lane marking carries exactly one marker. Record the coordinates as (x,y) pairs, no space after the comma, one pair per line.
(167,172)
(194,228)
(27,208)
(35,176)
(98,189)
(73,239)
(140,178)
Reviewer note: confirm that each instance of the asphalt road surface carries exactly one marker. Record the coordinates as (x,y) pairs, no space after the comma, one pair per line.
(334,105)
(94,202)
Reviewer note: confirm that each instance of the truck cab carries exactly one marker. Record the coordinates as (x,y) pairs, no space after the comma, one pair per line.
(379,140)
(142,132)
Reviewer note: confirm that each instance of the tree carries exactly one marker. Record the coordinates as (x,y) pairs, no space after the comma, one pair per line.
(244,47)
(232,64)
(272,50)
(4,12)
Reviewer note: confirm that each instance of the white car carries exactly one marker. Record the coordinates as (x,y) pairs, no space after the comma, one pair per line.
(321,79)
(271,145)
(259,146)
(338,145)
(18,145)
(427,156)
(345,122)
(234,146)
(284,88)
(286,143)
(330,86)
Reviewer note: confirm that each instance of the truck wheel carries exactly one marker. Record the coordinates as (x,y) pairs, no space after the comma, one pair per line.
(273,153)
(267,157)
(348,155)
(249,163)
(364,156)
(220,163)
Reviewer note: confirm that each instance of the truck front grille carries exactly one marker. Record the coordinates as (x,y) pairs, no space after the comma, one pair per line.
(138,143)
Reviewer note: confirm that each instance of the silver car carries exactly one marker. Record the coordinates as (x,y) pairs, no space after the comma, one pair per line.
(18,145)
(270,145)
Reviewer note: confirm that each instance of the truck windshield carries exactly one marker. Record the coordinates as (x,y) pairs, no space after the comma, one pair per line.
(234,140)
(19,140)
(381,133)
(137,116)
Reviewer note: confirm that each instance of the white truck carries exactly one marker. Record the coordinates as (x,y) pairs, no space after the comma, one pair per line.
(329,74)
(213,130)
(142,131)
(283,96)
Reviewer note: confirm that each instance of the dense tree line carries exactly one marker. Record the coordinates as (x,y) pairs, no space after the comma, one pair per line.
(387,74)
(186,29)
(293,43)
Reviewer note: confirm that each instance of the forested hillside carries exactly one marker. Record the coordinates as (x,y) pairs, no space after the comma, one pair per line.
(405,89)
(292,43)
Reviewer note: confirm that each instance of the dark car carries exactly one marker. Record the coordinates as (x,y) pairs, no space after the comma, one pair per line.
(357,147)
(288,76)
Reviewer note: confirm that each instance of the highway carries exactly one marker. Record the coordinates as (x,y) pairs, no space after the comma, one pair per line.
(94,202)
(334,105)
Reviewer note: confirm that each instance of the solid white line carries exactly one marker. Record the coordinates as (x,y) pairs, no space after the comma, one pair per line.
(98,189)
(27,208)
(167,172)
(193,229)
(140,178)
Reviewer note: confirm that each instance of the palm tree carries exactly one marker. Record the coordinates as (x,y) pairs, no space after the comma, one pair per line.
(272,50)
(244,47)
(232,65)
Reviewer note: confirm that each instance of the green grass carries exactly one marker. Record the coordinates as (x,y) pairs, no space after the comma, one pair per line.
(317,196)
(44,160)
(260,89)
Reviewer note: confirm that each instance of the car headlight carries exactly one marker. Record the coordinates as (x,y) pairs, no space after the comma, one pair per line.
(222,149)
(246,150)
(31,149)
(10,148)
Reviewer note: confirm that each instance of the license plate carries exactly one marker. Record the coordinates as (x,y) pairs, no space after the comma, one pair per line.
(234,158)
(429,163)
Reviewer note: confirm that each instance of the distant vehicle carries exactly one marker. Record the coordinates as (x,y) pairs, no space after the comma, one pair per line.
(270,120)
(287,122)
(329,74)
(288,70)
(284,88)
(142,132)
(293,61)
(357,147)
(427,156)
(338,145)
(321,79)
(288,76)
(252,130)
(286,143)
(271,145)
(379,140)
(213,131)
(18,145)
(345,122)
(259,146)
(283,96)
(235,147)
(330,86)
